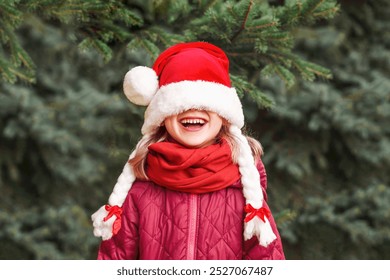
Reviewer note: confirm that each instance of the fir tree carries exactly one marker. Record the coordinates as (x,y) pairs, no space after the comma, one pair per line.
(66,128)
(327,143)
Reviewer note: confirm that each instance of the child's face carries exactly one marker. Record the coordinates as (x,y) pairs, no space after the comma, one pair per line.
(194,128)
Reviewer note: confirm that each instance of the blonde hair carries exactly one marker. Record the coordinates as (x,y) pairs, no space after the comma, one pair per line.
(138,162)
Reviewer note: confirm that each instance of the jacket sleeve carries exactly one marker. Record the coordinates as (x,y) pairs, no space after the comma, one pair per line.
(123,245)
(252,249)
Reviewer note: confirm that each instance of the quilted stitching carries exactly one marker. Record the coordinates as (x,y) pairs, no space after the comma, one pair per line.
(156,222)
(224,220)
(160,224)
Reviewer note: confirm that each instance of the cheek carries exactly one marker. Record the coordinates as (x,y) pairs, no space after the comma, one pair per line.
(218,124)
(168,123)
(215,129)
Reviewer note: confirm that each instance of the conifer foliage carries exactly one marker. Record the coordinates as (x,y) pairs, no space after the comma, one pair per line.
(328,149)
(259,36)
(66,129)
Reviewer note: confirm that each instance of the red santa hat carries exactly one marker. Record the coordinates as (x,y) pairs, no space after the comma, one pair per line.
(185,76)
(188,76)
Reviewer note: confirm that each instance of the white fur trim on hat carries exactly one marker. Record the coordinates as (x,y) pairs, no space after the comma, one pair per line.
(140,85)
(178,97)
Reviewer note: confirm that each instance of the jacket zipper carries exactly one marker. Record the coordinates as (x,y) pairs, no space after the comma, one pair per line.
(192,226)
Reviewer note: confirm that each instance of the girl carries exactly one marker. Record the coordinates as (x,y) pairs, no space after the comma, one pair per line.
(195,186)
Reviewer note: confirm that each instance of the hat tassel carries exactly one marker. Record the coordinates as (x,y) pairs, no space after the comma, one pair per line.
(106,220)
(256,222)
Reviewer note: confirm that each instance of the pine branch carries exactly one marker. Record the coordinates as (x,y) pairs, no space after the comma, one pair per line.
(306,12)
(260,34)
(6,73)
(139,43)
(244,87)
(257,25)
(310,6)
(326,13)
(98,45)
(242,28)
(97,23)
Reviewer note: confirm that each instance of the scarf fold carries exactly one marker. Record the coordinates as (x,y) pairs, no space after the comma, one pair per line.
(201,170)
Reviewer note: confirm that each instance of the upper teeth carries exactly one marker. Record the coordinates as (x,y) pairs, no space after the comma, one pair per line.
(193,121)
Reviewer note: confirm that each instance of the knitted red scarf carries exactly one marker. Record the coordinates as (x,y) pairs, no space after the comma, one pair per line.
(202,170)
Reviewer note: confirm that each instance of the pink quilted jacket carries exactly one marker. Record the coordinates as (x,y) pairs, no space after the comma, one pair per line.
(158,223)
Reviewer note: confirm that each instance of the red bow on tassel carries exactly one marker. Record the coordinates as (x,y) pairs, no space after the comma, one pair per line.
(117,212)
(252,212)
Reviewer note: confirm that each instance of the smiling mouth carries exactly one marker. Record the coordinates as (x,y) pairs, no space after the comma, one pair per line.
(193,123)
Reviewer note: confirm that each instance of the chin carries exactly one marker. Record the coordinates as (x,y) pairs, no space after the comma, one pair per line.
(196,144)
(192,145)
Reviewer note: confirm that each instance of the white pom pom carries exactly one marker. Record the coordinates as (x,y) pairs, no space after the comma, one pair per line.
(102,228)
(140,85)
(262,230)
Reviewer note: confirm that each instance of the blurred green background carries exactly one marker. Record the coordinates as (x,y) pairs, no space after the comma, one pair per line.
(314,81)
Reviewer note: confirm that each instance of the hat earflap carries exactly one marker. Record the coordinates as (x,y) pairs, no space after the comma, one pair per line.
(256,222)
(140,85)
